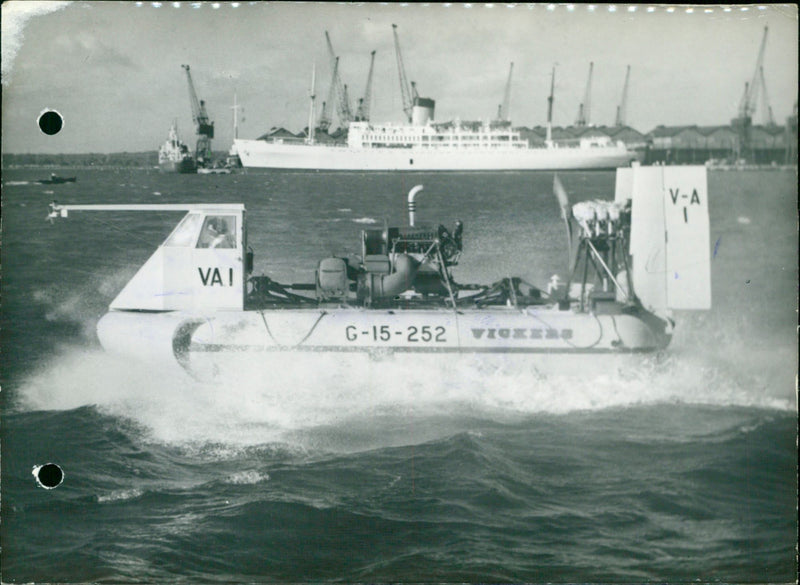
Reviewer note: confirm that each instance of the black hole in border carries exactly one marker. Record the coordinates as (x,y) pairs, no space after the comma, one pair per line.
(50,122)
(50,475)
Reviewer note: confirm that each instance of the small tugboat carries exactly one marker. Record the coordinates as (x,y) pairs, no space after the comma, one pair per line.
(56,180)
(174,155)
(637,257)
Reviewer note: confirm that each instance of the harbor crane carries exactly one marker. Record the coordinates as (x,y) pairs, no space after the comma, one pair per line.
(769,119)
(346,100)
(623,103)
(203,126)
(406,93)
(325,116)
(343,104)
(502,109)
(362,114)
(749,101)
(584,108)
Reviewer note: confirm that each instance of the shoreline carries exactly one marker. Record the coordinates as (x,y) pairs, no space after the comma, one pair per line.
(711,168)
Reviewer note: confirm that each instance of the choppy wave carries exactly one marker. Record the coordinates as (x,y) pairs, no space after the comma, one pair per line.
(120,495)
(247,477)
(269,398)
(672,468)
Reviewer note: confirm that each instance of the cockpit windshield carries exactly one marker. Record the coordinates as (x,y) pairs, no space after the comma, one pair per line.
(185,233)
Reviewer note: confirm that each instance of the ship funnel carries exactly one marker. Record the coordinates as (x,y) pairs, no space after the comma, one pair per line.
(412,206)
(422,111)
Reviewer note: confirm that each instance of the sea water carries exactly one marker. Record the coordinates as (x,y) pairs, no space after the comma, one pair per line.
(346,468)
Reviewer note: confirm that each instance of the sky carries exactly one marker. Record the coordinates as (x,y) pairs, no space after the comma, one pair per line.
(113,69)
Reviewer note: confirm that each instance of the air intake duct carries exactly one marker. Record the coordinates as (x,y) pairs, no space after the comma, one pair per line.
(374,287)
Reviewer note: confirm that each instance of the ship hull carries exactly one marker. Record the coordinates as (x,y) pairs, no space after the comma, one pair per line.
(263,154)
(204,342)
(184,167)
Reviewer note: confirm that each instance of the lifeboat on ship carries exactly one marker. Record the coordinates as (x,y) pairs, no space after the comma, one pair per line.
(633,260)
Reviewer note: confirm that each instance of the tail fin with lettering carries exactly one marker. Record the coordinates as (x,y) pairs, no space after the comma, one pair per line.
(669,239)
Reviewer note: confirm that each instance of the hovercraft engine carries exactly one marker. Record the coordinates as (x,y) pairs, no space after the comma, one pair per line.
(394,260)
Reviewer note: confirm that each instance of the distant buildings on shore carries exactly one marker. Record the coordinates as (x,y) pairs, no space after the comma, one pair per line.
(760,145)
(693,144)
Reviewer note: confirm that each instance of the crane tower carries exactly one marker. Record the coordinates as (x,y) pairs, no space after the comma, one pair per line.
(769,119)
(418,110)
(343,104)
(502,109)
(405,93)
(749,102)
(364,103)
(204,127)
(325,117)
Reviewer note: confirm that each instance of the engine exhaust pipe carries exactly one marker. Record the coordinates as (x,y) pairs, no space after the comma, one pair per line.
(412,206)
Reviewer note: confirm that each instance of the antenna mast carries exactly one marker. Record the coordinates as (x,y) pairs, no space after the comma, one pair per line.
(549,137)
(311,107)
(235,109)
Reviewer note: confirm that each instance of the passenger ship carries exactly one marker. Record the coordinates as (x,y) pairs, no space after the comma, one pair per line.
(424,145)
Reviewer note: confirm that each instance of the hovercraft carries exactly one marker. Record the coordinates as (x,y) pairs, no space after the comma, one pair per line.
(635,259)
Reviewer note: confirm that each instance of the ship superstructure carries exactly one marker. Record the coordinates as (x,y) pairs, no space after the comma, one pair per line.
(451,146)
(174,155)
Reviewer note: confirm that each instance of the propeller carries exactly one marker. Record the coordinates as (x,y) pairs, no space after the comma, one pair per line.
(566,211)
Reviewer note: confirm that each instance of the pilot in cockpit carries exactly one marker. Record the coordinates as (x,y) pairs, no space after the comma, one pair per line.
(216,234)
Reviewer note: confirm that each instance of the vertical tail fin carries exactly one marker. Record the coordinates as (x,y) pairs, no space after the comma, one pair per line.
(669,238)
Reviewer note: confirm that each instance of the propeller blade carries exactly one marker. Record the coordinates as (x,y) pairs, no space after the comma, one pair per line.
(566,211)
(563,199)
